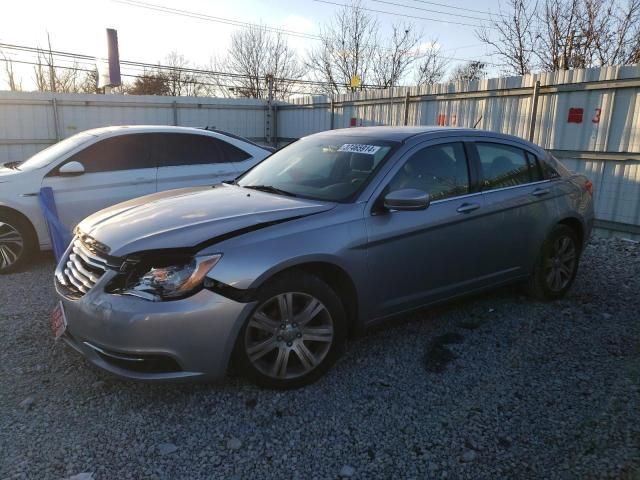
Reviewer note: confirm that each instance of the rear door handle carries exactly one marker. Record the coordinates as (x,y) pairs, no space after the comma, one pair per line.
(468,207)
(539,192)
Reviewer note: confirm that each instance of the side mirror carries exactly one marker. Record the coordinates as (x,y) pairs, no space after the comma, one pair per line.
(71,169)
(407,199)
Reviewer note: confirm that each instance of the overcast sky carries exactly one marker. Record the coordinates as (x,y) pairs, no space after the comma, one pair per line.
(144,35)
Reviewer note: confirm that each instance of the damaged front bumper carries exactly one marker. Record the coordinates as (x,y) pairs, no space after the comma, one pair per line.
(191,338)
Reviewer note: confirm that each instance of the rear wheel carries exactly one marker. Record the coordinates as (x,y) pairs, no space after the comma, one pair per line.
(557,265)
(16,243)
(294,335)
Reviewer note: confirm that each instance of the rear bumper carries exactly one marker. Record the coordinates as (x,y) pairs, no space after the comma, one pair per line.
(137,339)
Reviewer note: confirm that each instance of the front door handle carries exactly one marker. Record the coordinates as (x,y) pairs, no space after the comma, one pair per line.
(468,207)
(539,192)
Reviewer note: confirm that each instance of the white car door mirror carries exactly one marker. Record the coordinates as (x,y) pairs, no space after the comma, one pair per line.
(71,169)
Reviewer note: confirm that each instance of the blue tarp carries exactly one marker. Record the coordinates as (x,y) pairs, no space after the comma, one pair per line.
(59,234)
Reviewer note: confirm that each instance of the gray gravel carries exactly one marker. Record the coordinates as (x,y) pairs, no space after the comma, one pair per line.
(492,387)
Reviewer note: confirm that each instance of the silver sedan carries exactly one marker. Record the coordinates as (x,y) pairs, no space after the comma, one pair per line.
(328,236)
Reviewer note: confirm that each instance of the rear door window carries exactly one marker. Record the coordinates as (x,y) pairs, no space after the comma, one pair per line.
(177,149)
(505,166)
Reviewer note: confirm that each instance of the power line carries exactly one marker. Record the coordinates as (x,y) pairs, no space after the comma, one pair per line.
(202,16)
(130,63)
(436,20)
(154,67)
(430,10)
(194,82)
(484,12)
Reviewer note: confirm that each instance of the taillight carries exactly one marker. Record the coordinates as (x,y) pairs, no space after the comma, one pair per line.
(589,186)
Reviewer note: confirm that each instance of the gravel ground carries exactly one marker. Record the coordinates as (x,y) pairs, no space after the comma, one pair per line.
(495,386)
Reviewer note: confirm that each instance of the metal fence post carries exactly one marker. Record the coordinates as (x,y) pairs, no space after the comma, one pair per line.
(332,107)
(268,127)
(534,110)
(56,120)
(174,106)
(275,125)
(406,108)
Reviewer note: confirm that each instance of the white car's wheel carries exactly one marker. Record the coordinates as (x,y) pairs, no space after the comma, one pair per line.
(16,243)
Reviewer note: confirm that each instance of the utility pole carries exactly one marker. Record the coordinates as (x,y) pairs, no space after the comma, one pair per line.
(52,73)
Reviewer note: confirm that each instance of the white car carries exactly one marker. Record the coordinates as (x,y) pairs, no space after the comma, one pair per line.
(98,168)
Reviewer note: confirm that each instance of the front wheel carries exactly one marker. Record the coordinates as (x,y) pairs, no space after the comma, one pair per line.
(294,335)
(557,265)
(16,243)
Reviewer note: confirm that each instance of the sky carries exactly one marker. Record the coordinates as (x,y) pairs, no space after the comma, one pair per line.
(146,35)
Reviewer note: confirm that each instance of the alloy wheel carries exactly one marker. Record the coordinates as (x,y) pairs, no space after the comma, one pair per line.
(289,335)
(11,245)
(560,263)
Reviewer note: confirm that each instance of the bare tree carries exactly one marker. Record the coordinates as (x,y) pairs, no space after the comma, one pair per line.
(348,43)
(150,83)
(558,42)
(516,39)
(179,80)
(468,72)
(255,53)
(15,84)
(89,82)
(432,66)
(51,78)
(611,32)
(393,60)
(565,34)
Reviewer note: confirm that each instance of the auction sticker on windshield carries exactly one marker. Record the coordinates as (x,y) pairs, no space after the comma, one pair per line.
(58,321)
(359,148)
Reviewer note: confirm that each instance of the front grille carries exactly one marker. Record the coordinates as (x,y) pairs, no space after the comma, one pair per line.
(81,271)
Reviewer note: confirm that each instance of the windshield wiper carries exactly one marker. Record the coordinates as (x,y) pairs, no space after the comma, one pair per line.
(270,189)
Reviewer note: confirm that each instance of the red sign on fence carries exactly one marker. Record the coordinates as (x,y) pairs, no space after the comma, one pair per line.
(575,115)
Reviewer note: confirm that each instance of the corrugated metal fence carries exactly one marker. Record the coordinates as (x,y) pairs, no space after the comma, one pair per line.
(588,118)
(30,122)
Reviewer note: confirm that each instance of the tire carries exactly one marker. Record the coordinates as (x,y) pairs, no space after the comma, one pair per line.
(294,335)
(17,243)
(556,266)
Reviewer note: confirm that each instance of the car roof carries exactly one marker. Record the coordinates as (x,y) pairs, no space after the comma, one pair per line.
(122,129)
(117,130)
(401,134)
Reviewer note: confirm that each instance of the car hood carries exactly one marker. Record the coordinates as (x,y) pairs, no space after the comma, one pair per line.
(189,217)
(7,174)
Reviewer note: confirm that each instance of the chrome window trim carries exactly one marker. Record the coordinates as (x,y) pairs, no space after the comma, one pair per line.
(491,191)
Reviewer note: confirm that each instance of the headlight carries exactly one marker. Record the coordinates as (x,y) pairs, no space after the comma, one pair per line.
(173,281)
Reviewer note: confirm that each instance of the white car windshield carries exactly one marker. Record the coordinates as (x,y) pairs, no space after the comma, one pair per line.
(48,155)
(330,168)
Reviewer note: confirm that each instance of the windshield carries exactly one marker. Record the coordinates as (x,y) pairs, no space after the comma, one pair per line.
(48,155)
(330,168)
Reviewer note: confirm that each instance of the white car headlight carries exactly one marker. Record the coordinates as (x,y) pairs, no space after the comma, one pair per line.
(173,281)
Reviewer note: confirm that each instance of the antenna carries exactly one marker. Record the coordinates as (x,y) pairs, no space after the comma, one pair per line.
(477,122)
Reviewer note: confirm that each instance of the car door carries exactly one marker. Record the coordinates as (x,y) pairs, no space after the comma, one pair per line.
(416,257)
(186,160)
(116,169)
(518,206)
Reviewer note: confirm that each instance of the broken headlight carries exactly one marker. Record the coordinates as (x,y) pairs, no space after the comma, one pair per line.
(172,281)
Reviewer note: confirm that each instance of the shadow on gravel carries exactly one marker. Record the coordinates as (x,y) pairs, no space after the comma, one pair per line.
(39,260)
(438,355)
